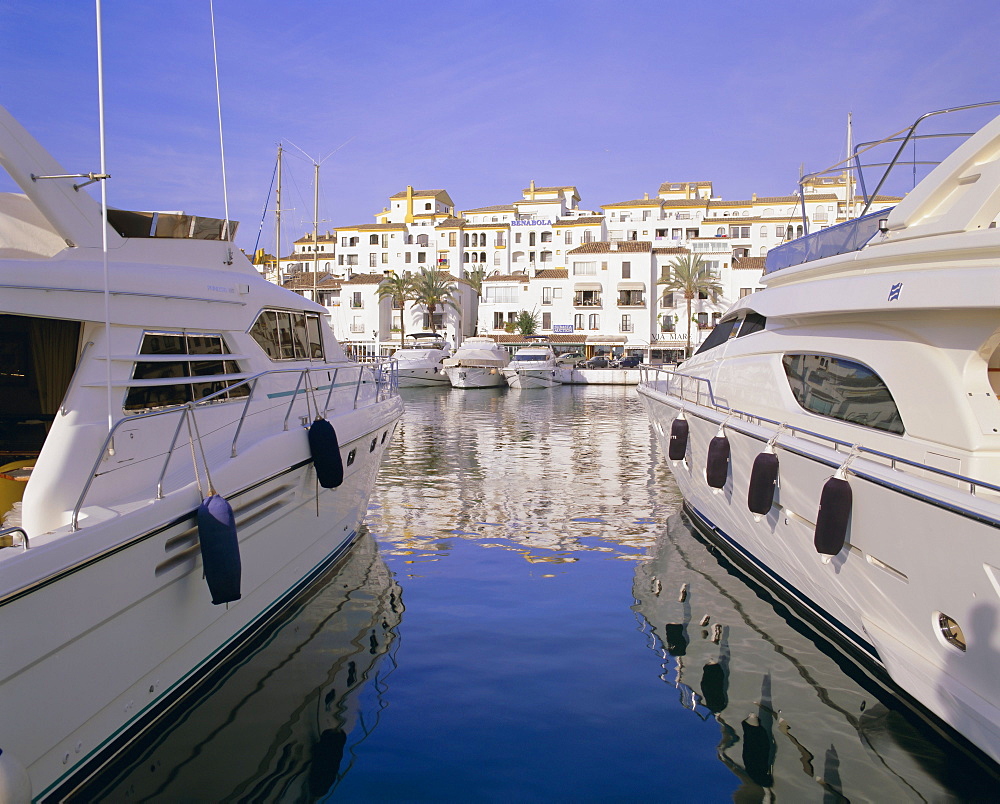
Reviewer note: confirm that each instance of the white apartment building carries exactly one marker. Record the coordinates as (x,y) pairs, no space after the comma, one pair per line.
(590,278)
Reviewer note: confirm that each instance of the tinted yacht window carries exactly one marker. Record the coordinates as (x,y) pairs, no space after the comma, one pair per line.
(842,389)
(718,335)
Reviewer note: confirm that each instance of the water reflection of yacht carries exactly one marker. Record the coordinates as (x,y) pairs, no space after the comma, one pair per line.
(478,363)
(839,432)
(284,719)
(421,362)
(534,366)
(793,725)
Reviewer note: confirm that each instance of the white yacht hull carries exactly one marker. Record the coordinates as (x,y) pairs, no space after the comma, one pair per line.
(915,549)
(521,378)
(422,377)
(96,650)
(475,377)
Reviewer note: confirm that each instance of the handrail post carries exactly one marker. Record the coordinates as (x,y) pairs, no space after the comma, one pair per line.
(329,394)
(295,394)
(357,388)
(170,454)
(13,530)
(246,407)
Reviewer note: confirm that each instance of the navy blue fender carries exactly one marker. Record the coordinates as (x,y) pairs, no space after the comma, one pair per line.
(677,447)
(717,465)
(220,549)
(763,482)
(833,516)
(325,453)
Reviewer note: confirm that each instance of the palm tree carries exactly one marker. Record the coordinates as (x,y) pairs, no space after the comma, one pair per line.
(689,275)
(433,288)
(475,278)
(398,287)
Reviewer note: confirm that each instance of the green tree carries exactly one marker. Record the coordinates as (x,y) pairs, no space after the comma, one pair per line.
(689,275)
(475,278)
(526,323)
(398,287)
(433,288)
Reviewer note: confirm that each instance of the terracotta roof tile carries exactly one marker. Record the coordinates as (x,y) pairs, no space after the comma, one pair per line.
(587,221)
(496,208)
(365,279)
(604,247)
(672,250)
(552,273)
(750,264)
(420,193)
(639,202)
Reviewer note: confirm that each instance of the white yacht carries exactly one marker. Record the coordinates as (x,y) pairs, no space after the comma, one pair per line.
(534,366)
(478,363)
(421,363)
(187,448)
(839,434)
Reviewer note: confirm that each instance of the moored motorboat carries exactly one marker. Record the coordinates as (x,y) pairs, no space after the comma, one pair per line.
(421,363)
(535,365)
(838,433)
(194,447)
(478,363)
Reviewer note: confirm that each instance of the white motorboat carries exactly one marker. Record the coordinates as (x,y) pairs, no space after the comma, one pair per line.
(422,362)
(144,386)
(839,434)
(535,365)
(478,363)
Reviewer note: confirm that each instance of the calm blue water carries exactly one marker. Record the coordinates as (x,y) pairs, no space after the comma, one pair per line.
(530,619)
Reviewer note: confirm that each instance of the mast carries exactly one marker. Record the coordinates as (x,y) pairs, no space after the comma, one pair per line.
(277,225)
(849,173)
(315,227)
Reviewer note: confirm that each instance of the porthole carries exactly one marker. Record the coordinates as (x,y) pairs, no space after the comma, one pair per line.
(371,447)
(384,434)
(951,631)
(351,456)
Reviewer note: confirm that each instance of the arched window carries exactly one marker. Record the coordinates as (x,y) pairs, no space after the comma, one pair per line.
(465,240)
(422,240)
(763,231)
(720,232)
(789,233)
(546,256)
(546,237)
(531,238)
(373,240)
(798,230)
(763,251)
(769,213)
(409,240)
(482,255)
(465,257)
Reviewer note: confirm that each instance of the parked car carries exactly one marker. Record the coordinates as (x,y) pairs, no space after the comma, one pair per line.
(629,362)
(597,361)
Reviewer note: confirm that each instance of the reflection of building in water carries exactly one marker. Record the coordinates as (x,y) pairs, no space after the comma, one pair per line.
(543,470)
(283,721)
(794,726)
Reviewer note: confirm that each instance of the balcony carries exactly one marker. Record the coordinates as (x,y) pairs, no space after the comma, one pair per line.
(356,305)
(357,328)
(587,300)
(631,299)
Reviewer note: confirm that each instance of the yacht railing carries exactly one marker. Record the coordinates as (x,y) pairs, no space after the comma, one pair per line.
(380,374)
(699,391)
(855,234)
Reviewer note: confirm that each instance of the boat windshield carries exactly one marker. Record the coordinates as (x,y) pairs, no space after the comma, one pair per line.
(529,358)
(169,224)
(839,239)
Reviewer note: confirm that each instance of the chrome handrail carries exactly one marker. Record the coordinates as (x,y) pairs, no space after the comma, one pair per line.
(793,430)
(16,529)
(385,381)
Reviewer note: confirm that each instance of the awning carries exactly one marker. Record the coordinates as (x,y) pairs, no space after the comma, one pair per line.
(588,286)
(631,286)
(606,339)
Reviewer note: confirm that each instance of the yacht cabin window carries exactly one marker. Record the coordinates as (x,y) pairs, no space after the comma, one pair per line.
(182,367)
(842,389)
(288,335)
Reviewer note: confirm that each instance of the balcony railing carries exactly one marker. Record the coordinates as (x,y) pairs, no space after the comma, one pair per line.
(357,328)
(578,302)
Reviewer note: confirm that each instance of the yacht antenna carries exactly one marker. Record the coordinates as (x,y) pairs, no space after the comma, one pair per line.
(104,218)
(315,228)
(226,232)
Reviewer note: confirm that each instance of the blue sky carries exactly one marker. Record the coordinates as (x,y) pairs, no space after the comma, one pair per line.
(479,98)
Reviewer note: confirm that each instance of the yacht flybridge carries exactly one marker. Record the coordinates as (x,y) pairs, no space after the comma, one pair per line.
(839,434)
(184,445)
